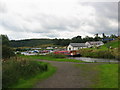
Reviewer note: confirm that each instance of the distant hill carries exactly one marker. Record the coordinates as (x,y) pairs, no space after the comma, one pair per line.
(59,42)
(30,42)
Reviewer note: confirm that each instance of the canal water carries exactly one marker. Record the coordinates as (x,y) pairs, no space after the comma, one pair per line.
(87,59)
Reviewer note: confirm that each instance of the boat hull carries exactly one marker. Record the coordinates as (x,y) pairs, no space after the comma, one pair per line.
(77,55)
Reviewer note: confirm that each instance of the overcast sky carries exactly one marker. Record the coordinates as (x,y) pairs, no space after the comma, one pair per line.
(23,19)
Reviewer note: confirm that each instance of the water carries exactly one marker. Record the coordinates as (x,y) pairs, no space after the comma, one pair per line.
(87,59)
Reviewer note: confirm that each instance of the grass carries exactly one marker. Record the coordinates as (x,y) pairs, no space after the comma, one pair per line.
(52,58)
(30,83)
(113,44)
(24,72)
(106,75)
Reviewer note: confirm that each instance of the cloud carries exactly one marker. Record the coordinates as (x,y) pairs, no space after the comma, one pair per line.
(57,19)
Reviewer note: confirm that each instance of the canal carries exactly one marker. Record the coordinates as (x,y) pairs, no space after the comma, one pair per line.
(87,59)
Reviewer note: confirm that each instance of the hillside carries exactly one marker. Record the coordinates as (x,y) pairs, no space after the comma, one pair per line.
(108,50)
(112,44)
(30,42)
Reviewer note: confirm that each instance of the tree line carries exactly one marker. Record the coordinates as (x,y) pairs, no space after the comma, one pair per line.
(56,41)
(79,39)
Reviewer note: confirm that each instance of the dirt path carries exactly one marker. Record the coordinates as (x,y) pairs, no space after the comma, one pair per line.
(69,76)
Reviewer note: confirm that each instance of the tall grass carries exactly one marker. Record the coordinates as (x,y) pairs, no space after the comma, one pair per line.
(94,53)
(56,55)
(16,69)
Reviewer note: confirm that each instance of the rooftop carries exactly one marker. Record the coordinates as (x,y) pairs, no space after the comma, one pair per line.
(78,44)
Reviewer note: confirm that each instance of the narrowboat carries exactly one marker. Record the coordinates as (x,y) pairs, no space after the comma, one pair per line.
(72,53)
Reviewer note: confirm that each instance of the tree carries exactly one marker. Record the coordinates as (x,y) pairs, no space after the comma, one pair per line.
(65,42)
(77,39)
(113,36)
(96,35)
(87,38)
(7,52)
(5,40)
(97,38)
(103,35)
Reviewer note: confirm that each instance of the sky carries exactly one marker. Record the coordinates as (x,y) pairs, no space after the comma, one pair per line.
(26,19)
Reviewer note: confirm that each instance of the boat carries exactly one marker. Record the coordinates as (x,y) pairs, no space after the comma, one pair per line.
(72,53)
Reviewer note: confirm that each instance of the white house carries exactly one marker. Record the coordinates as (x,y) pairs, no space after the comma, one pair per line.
(76,46)
(49,48)
(94,43)
(36,48)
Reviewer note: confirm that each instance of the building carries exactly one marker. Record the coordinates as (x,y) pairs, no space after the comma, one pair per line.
(94,43)
(76,46)
(49,48)
(36,48)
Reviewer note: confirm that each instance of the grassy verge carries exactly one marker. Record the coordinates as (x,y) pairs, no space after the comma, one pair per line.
(104,75)
(30,83)
(52,58)
(24,72)
(108,77)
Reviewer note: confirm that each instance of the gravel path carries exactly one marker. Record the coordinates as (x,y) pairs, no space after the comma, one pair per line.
(68,76)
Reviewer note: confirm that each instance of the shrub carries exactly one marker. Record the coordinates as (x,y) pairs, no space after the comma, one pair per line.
(115,52)
(96,53)
(14,70)
(57,55)
(7,52)
(105,54)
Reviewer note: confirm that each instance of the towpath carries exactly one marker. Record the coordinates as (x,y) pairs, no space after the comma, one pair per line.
(69,75)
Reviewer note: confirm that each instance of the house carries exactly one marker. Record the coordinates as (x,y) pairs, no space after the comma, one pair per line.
(94,43)
(36,48)
(76,46)
(49,48)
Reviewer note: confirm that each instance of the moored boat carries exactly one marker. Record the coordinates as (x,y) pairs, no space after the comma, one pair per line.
(72,53)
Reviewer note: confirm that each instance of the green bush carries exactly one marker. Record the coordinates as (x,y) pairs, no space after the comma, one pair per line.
(14,70)
(96,53)
(115,52)
(57,55)
(105,54)
(7,52)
